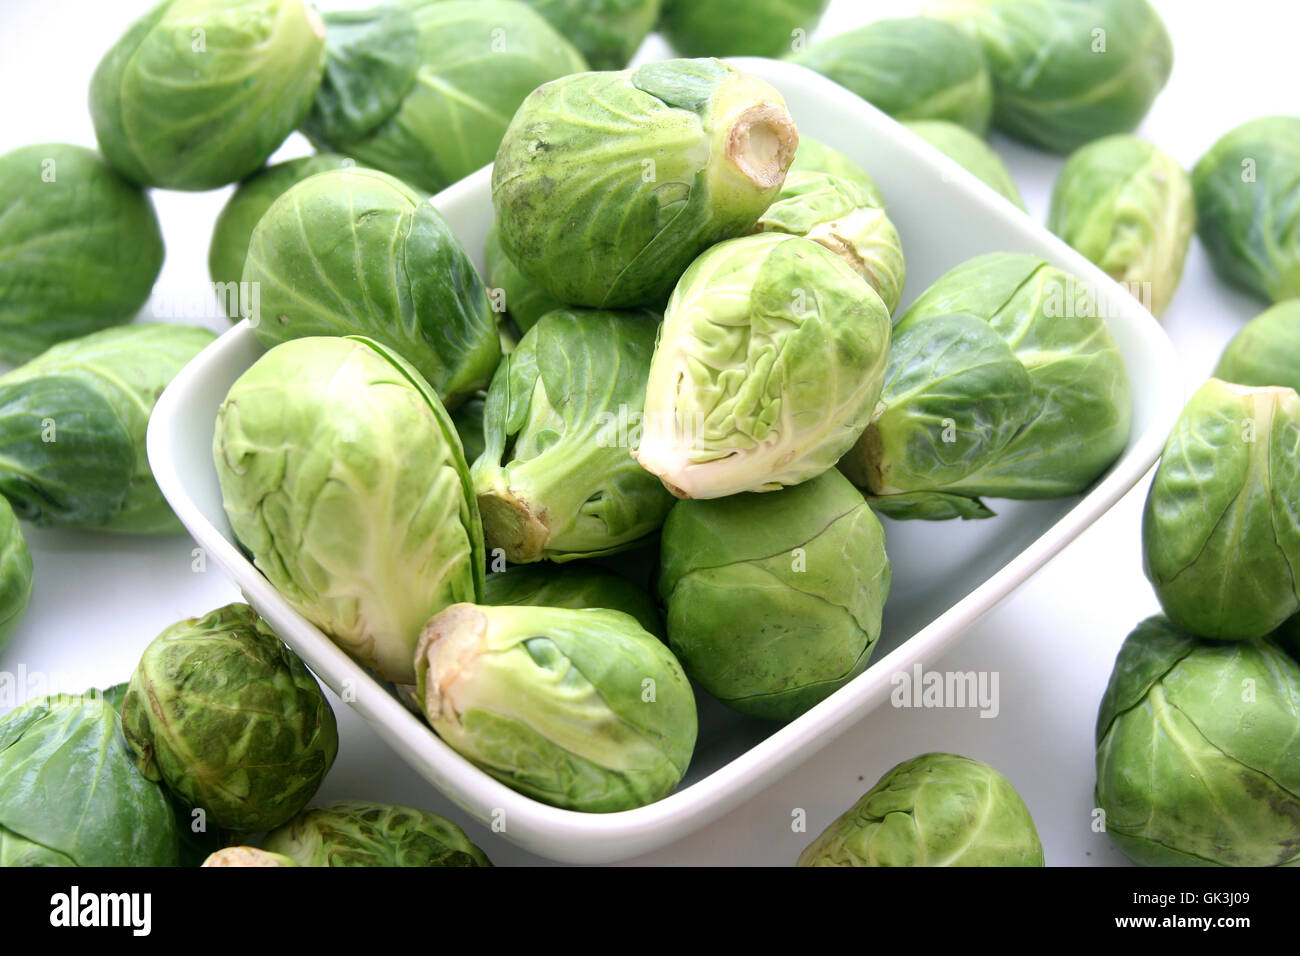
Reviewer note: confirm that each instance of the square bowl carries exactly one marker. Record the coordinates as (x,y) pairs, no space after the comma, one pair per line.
(946,574)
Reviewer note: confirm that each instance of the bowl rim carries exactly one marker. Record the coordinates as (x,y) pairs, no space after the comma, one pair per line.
(589,837)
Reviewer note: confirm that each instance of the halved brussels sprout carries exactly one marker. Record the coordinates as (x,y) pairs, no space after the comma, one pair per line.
(80,247)
(72,795)
(247,856)
(719,28)
(848,220)
(574,587)
(344,479)
(230,720)
(521,299)
(911,68)
(1266,351)
(933,810)
(1066,73)
(557,479)
(608,185)
(425,89)
(1128,207)
(255,195)
(815,157)
(1247,189)
(581,709)
(768,367)
(199,93)
(1221,529)
(15,574)
(1002,381)
(356,833)
(73,420)
(970,152)
(1198,751)
(774,601)
(355,251)
(606,32)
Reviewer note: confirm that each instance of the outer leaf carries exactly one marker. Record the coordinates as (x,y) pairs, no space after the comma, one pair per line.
(910,68)
(72,795)
(1065,74)
(606,32)
(477,61)
(660,162)
(355,251)
(373,834)
(80,248)
(1266,351)
(581,709)
(1127,207)
(1247,189)
(557,479)
(768,368)
(199,93)
(955,396)
(933,810)
(92,396)
(343,477)
(1198,749)
(1221,529)
(711,28)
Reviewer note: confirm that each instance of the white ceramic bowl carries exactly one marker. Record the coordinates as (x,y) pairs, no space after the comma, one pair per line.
(946,574)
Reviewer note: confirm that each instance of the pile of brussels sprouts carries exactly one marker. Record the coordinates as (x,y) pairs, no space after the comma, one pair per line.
(645,456)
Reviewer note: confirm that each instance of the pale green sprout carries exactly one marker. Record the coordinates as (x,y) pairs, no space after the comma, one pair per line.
(768,367)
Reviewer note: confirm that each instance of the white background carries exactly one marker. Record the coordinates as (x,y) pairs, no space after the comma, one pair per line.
(100,599)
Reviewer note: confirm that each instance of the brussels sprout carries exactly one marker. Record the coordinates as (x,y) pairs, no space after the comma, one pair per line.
(230,720)
(606,32)
(357,251)
(1221,528)
(1198,751)
(933,810)
(774,601)
(80,248)
(198,93)
(970,152)
(524,301)
(72,795)
(424,89)
(1247,188)
(15,574)
(240,215)
(719,28)
(556,479)
(73,420)
(1066,73)
(342,475)
(608,185)
(1037,409)
(815,157)
(577,588)
(468,422)
(768,367)
(246,856)
(1266,351)
(581,709)
(373,834)
(1127,207)
(849,221)
(911,68)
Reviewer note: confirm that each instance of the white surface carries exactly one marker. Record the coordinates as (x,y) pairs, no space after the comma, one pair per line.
(100,600)
(944,575)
